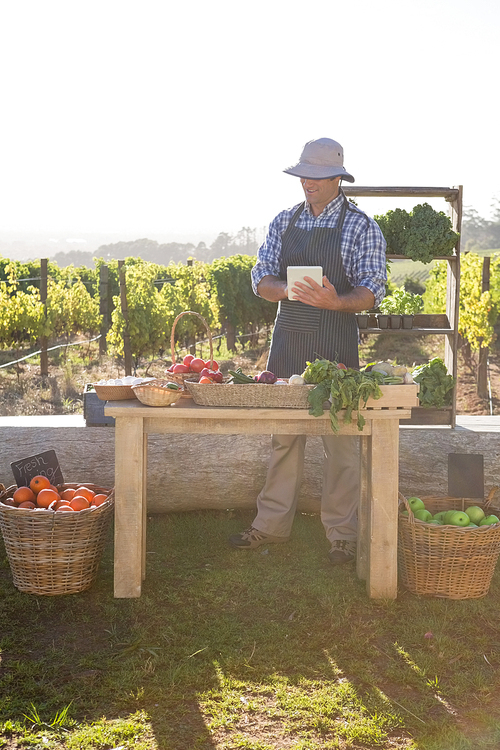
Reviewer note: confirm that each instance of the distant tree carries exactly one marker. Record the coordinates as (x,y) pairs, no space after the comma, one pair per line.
(245,241)
(74,258)
(412,284)
(150,250)
(480,233)
(220,247)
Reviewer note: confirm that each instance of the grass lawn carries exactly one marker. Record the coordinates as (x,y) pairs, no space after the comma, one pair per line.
(273,648)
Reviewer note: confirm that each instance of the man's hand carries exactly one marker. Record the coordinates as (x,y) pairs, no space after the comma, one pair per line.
(326,296)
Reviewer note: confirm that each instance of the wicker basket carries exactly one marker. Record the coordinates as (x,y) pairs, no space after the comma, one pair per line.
(182,377)
(114,392)
(259,395)
(450,562)
(154,393)
(54,553)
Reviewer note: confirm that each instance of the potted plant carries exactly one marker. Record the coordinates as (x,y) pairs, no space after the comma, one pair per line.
(401,306)
(362,319)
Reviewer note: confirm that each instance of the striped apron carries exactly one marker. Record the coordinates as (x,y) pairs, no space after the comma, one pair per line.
(303,333)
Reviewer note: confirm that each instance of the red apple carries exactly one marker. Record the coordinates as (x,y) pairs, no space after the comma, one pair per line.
(216,376)
(206,372)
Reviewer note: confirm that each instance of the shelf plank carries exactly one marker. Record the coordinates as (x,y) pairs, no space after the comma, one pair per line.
(421,331)
(447,193)
(405,257)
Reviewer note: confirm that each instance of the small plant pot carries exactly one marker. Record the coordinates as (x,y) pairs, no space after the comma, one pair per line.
(407,321)
(395,321)
(362,321)
(383,321)
(372,321)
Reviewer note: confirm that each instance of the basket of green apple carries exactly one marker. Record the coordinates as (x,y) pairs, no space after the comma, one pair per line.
(448,546)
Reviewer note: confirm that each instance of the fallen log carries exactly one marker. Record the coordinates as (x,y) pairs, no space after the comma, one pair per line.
(193,472)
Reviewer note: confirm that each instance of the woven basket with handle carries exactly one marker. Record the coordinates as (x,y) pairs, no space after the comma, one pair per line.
(50,552)
(451,562)
(181,377)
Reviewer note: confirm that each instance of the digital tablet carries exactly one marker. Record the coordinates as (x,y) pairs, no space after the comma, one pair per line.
(297,273)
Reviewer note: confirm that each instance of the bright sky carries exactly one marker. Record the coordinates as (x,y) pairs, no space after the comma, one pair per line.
(154,118)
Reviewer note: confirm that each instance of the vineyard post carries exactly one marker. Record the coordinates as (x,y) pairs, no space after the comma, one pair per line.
(482,370)
(126,334)
(44,359)
(104,306)
(230,336)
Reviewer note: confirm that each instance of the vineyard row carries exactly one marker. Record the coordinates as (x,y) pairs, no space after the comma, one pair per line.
(132,304)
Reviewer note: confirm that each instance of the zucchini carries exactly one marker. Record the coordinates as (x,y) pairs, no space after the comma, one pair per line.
(239,377)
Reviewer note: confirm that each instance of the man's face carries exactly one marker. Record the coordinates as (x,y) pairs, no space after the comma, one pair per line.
(319,193)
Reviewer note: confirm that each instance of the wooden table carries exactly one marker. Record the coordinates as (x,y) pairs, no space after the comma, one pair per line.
(377,533)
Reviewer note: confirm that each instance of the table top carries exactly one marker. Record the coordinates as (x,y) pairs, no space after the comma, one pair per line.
(395,403)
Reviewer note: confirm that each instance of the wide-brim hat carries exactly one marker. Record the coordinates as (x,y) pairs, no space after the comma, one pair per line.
(321,159)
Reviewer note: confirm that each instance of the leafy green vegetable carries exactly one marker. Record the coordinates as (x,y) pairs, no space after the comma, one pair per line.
(319,370)
(349,390)
(401,302)
(421,234)
(436,385)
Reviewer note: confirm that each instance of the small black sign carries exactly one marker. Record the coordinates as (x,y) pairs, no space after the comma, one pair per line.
(466,475)
(45,464)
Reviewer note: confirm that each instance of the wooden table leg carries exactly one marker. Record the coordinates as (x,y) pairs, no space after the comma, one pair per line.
(129,507)
(144,501)
(363,546)
(382,580)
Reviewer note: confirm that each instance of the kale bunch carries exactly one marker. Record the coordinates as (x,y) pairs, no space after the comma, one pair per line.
(420,235)
(436,385)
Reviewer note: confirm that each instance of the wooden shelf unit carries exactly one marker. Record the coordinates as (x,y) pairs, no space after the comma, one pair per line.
(454,196)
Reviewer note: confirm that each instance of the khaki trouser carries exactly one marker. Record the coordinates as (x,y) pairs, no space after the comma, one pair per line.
(277,502)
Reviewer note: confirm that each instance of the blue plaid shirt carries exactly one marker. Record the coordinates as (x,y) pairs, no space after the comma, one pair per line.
(362,247)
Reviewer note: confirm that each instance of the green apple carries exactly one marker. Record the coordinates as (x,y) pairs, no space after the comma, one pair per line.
(475,513)
(424,515)
(472,526)
(447,516)
(489,520)
(415,503)
(435,522)
(459,518)
(404,513)
(440,516)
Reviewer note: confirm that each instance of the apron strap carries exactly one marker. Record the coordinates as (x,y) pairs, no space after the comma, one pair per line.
(293,220)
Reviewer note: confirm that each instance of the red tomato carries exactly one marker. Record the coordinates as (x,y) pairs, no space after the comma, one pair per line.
(212,364)
(341,366)
(188,359)
(171,368)
(197,365)
(180,368)
(205,380)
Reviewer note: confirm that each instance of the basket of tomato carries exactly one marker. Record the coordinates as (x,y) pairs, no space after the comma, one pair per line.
(192,368)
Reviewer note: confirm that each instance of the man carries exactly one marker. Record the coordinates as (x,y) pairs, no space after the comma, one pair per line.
(319,321)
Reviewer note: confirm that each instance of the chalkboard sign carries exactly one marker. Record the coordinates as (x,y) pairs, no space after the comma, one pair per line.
(45,464)
(466,475)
